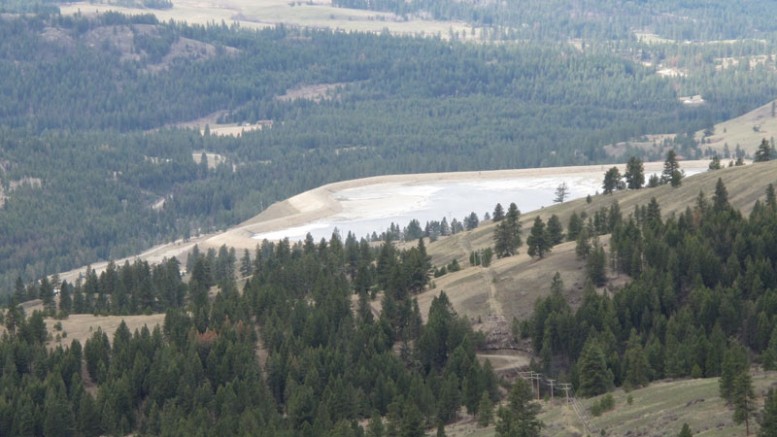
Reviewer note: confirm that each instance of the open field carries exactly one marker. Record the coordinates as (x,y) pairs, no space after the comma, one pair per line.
(747,131)
(657,410)
(81,326)
(267,13)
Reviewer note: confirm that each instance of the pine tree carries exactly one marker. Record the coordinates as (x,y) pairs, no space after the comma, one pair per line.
(66,298)
(583,245)
(771,198)
(635,362)
(58,416)
(595,376)
(743,399)
(507,234)
(561,193)
(612,180)
(375,427)
(720,199)
(686,431)
(574,227)
(769,356)
(88,420)
(635,173)
(519,417)
(449,399)
(715,163)
(764,152)
(471,222)
(672,173)
(246,267)
(485,413)
(734,363)
(769,416)
(595,266)
(555,230)
(538,242)
(499,213)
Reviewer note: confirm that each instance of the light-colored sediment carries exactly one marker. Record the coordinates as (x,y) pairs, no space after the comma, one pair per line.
(321,203)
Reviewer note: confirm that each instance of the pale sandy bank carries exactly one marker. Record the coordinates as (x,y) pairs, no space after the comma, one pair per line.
(322,202)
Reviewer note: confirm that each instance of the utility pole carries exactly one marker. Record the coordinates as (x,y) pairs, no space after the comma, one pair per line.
(536,376)
(566,386)
(551,381)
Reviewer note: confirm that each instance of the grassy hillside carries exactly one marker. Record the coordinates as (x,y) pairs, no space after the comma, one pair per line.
(657,410)
(745,131)
(509,287)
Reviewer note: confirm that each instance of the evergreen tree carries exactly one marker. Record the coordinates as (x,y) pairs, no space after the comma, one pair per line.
(635,173)
(471,221)
(595,266)
(764,152)
(562,191)
(734,364)
(66,298)
(555,230)
(583,244)
(537,241)
(595,377)
(635,362)
(449,399)
(769,415)
(58,415)
(574,227)
(499,213)
(771,198)
(88,420)
(672,173)
(46,293)
(769,356)
(715,163)
(686,431)
(612,180)
(375,427)
(720,199)
(519,417)
(246,267)
(507,234)
(485,414)
(743,399)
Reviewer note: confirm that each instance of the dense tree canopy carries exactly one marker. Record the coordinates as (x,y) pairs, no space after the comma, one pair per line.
(698,302)
(325,367)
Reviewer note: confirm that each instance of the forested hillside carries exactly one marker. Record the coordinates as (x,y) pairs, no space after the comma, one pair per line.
(702,283)
(327,338)
(300,350)
(694,20)
(92,166)
(322,367)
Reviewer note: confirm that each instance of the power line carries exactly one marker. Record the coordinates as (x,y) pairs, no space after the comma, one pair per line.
(537,380)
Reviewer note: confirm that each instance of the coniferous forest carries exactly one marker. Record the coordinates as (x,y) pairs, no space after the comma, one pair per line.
(89,106)
(301,350)
(327,338)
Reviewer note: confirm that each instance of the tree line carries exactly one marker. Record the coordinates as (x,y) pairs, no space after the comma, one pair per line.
(325,365)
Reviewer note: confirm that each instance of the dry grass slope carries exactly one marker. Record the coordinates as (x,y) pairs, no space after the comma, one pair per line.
(520,280)
(81,326)
(746,130)
(657,410)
